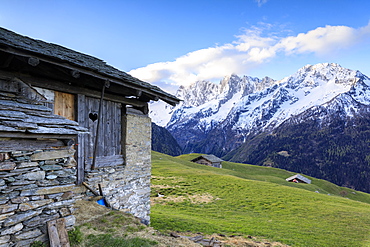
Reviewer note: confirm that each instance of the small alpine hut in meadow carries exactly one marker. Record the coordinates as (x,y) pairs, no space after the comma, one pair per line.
(208,160)
(298,178)
(70,125)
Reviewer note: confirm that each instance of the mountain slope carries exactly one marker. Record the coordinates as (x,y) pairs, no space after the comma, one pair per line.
(329,141)
(256,201)
(163,141)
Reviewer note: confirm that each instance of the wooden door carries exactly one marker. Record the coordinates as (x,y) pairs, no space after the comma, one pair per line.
(109,151)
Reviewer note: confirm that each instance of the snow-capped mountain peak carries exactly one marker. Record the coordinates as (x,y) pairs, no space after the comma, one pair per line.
(319,115)
(241,105)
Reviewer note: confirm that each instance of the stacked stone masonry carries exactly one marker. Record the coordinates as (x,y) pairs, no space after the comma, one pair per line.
(36,187)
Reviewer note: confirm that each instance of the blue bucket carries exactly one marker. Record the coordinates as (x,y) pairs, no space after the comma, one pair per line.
(101,202)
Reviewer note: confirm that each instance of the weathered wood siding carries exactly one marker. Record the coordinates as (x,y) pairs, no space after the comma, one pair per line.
(204,162)
(109,151)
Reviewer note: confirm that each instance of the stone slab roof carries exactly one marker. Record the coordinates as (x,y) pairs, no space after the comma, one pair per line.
(63,54)
(21,115)
(210,157)
(299,177)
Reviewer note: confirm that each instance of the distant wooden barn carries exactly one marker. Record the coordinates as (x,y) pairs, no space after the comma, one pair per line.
(208,160)
(298,178)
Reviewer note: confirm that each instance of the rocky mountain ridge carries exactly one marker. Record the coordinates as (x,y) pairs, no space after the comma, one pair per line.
(231,119)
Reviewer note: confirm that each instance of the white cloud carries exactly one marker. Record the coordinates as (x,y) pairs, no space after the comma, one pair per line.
(322,40)
(261,2)
(248,51)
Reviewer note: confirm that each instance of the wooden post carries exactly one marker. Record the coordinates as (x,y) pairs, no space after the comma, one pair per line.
(53,234)
(58,236)
(106,85)
(91,189)
(63,234)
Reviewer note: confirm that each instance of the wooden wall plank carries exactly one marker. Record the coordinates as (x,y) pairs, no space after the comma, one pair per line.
(118,129)
(81,139)
(64,105)
(109,143)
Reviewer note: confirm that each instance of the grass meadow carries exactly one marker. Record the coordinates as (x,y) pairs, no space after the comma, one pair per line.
(249,200)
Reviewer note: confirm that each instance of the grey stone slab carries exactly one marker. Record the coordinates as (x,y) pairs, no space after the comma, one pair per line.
(63,173)
(50,155)
(55,196)
(27,164)
(4,239)
(6,208)
(68,180)
(39,175)
(70,220)
(51,167)
(36,198)
(27,235)
(20,199)
(61,204)
(47,183)
(48,190)
(21,182)
(5,216)
(51,177)
(34,204)
(11,230)
(3,201)
(16,218)
(7,166)
(27,187)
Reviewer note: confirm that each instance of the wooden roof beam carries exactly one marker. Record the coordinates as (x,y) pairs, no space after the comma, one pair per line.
(47,84)
(148,91)
(6,62)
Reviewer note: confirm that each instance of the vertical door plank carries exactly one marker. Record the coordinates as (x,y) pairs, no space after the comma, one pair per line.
(81,138)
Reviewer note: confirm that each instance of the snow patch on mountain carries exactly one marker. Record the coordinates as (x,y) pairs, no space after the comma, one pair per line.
(310,86)
(210,103)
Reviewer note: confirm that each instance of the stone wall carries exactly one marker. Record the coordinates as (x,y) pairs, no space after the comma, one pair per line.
(36,186)
(127,188)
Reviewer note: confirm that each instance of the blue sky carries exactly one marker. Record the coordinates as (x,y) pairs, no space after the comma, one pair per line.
(171,43)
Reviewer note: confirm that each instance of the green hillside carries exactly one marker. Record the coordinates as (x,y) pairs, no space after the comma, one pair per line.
(257,201)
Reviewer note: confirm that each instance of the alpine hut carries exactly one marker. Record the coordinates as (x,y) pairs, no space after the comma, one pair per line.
(208,160)
(70,124)
(298,178)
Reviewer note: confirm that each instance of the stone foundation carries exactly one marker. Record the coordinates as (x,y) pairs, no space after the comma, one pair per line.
(36,187)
